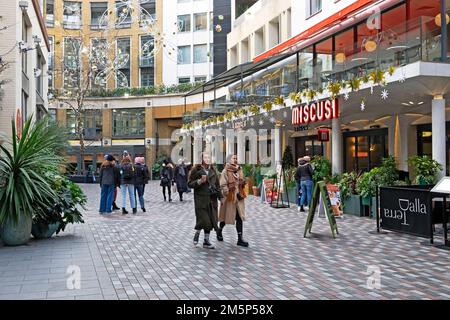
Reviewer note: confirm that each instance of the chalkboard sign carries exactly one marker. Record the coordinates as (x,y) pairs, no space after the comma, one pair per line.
(406,210)
(320,190)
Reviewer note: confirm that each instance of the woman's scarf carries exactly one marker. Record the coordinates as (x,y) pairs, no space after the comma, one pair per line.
(234,181)
(182,171)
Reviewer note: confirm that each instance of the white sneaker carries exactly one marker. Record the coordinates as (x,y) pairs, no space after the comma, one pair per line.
(298,209)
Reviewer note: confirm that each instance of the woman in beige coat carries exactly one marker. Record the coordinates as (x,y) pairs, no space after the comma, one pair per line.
(232,209)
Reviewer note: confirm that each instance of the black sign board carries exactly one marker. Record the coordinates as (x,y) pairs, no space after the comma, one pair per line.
(406,210)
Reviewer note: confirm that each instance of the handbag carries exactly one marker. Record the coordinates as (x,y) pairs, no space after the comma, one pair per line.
(174,188)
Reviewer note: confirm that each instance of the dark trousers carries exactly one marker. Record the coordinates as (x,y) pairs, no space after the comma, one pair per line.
(239,223)
(169,190)
(106,198)
(140,189)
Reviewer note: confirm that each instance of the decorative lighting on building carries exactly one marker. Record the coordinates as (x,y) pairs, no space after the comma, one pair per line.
(370,46)
(438,19)
(340,57)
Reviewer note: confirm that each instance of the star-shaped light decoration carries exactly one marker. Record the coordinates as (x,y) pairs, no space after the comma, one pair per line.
(346,96)
(363,105)
(261,122)
(384,94)
(272,120)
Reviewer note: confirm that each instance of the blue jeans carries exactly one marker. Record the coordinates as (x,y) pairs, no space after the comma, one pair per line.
(307,186)
(123,190)
(140,188)
(299,193)
(106,198)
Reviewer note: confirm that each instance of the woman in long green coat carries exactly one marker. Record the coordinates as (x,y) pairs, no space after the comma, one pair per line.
(204,179)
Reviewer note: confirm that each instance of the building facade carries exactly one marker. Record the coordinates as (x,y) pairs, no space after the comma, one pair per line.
(384,63)
(24,52)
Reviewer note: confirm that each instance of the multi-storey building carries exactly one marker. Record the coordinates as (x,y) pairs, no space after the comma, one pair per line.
(130,106)
(23,57)
(199,28)
(385,63)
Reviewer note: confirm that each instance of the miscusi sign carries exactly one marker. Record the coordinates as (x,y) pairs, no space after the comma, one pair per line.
(315,111)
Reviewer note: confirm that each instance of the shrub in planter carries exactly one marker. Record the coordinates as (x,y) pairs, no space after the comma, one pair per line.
(425,169)
(65,208)
(23,164)
(322,168)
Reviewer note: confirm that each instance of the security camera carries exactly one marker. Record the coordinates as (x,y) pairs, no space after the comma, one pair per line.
(23,46)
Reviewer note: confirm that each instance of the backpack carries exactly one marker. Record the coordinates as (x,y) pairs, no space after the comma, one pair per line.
(126,172)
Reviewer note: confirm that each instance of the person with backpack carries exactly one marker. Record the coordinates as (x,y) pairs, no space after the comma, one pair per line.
(166,175)
(127,180)
(142,177)
(305,176)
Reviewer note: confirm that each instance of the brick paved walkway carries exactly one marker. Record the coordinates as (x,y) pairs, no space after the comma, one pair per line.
(151,256)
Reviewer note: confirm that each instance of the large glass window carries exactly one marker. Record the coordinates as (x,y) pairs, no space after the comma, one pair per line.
(184,23)
(324,62)
(425,142)
(200,53)
(71,62)
(148,12)
(49,13)
(365,150)
(99,61)
(129,122)
(72,15)
(123,62)
(147,47)
(305,68)
(200,21)
(123,15)
(147,77)
(308,146)
(184,54)
(97,11)
(92,123)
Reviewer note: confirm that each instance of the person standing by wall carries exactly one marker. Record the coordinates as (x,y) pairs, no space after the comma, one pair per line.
(232,211)
(108,179)
(304,175)
(127,180)
(180,176)
(166,175)
(142,177)
(203,178)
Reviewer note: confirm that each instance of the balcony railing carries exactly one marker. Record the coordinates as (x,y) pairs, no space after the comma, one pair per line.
(415,40)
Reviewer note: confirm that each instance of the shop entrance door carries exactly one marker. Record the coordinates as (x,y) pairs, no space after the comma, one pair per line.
(308,146)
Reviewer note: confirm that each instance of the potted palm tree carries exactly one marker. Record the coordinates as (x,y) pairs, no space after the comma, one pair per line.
(23,162)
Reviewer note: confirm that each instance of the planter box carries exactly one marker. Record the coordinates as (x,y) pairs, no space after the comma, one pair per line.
(369,207)
(291,194)
(353,206)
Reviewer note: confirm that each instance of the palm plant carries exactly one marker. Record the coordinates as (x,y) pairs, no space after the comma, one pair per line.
(24,161)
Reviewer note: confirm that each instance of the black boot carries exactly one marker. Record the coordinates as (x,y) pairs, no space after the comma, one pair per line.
(219,234)
(241,241)
(134,210)
(302,209)
(115,207)
(143,210)
(124,211)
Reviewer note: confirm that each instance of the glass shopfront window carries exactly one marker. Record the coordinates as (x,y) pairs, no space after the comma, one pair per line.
(425,143)
(365,150)
(305,67)
(92,123)
(129,122)
(308,146)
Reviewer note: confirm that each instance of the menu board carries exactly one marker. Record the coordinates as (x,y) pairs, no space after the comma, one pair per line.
(270,194)
(335,199)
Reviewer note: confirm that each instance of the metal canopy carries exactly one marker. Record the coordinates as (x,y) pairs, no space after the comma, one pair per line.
(237,73)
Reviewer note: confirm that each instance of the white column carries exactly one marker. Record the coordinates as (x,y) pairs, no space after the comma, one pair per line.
(336,146)
(391,123)
(277,142)
(439,134)
(401,142)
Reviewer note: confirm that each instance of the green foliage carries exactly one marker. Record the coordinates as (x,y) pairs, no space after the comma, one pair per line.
(65,208)
(247,170)
(23,164)
(366,185)
(322,168)
(156,167)
(425,169)
(347,184)
(288,158)
(384,176)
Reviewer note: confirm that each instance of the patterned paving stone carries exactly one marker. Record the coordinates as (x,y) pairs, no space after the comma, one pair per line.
(151,256)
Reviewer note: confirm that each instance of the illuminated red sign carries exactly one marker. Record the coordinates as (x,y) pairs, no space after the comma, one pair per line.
(315,111)
(323,135)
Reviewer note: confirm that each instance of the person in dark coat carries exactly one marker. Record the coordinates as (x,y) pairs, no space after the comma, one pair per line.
(166,175)
(108,179)
(180,176)
(141,179)
(203,178)
(305,176)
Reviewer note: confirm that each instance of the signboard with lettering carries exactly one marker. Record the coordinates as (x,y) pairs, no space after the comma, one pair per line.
(239,124)
(270,194)
(315,112)
(406,210)
(323,135)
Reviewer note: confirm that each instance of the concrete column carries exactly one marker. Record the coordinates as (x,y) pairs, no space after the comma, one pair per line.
(439,134)
(277,143)
(336,146)
(401,142)
(391,123)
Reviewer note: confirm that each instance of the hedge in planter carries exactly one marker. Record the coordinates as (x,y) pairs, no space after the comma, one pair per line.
(23,164)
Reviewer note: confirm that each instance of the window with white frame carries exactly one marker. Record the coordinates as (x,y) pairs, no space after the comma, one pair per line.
(184,79)
(184,54)
(72,15)
(200,21)
(123,62)
(200,53)
(200,79)
(313,6)
(49,13)
(184,23)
